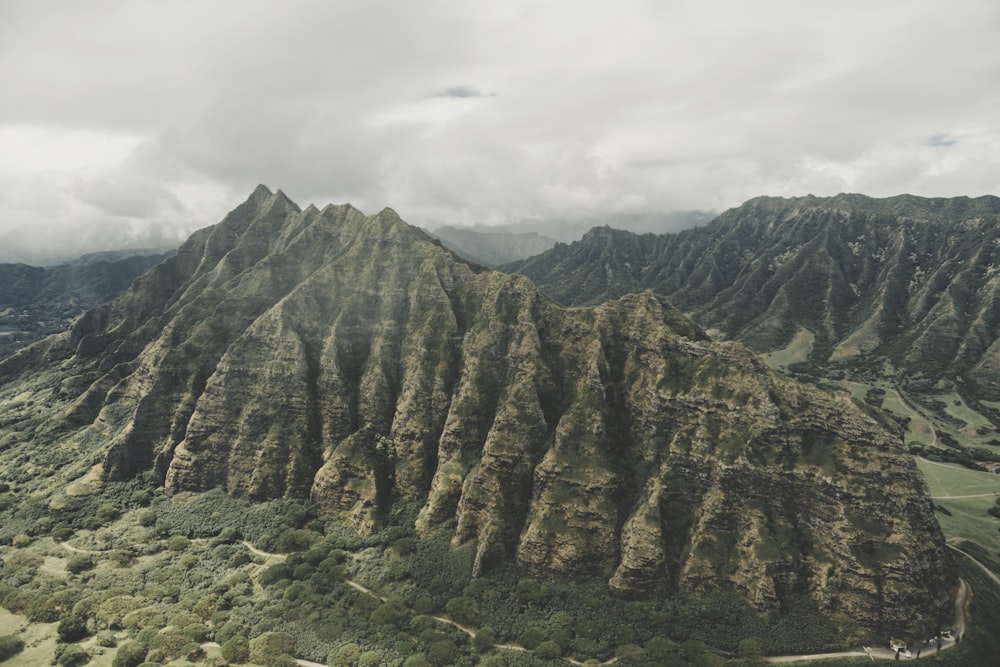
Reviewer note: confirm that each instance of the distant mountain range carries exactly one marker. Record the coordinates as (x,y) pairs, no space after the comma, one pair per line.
(39,301)
(907,282)
(492,248)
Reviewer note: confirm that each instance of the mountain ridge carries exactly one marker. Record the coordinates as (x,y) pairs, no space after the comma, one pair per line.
(352,360)
(907,280)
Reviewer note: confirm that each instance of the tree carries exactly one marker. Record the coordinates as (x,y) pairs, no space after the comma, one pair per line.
(462,609)
(72,628)
(236,649)
(345,656)
(532,637)
(266,648)
(548,650)
(79,563)
(71,655)
(9,646)
(442,652)
(484,639)
(130,654)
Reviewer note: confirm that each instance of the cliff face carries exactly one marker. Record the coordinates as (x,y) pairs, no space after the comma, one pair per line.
(911,281)
(353,360)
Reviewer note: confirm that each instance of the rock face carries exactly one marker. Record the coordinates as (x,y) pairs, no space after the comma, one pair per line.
(911,281)
(353,360)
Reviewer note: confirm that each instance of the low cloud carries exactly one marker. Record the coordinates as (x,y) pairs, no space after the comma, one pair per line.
(632,108)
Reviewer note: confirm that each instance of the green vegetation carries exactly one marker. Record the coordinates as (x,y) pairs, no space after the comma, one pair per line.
(965,517)
(168,601)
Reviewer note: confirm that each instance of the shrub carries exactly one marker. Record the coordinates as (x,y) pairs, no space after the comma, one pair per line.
(72,628)
(266,648)
(230,630)
(129,654)
(442,652)
(71,655)
(484,640)
(236,649)
(548,650)
(178,543)
(284,660)
(106,513)
(345,656)
(106,639)
(62,533)
(79,563)
(532,637)
(10,646)
(462,609)
(197,632)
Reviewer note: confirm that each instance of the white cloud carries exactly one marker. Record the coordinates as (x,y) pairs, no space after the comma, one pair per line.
(167,114)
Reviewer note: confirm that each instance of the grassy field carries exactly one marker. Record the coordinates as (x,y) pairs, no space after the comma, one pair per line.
(797,351)
(968,518)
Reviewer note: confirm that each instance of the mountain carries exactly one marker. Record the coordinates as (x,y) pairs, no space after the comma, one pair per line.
(907,281)
(492,248)
(38,301)
(352,360)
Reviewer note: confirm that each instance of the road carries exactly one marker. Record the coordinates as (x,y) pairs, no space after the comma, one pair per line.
(927,649)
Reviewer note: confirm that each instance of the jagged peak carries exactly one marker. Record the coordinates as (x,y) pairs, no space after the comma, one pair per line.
(261,192)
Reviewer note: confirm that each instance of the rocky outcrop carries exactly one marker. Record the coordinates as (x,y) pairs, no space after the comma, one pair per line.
(353,360)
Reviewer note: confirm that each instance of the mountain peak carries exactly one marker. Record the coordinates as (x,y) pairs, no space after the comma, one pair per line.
(349,360)
(260,193)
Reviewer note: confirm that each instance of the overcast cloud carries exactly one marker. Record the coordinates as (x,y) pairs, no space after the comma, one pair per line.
(133,123)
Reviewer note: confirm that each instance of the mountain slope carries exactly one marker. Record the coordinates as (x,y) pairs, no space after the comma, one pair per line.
(352,360)
(912,281)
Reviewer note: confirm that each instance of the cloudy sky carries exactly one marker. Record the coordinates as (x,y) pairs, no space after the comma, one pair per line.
(130,122)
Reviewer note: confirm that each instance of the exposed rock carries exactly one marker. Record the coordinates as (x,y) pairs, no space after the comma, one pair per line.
(353,360)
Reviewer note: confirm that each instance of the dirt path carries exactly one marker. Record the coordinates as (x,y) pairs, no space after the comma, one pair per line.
(367,591)
(440,619)
(69,547)
(958,629)
(975,495)
(264,554)
(985,569)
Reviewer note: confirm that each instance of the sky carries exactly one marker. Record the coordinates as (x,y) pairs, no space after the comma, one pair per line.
(130,123)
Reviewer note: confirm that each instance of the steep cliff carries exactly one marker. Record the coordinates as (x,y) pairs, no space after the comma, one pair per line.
(353,360)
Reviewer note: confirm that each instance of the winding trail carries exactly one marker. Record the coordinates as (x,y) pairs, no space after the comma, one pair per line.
(440,619)
(985,569)
(928,648)
(263,554)
(77,550)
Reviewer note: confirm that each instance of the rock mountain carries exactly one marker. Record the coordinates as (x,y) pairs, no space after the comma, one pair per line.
(353,360)
(910,281)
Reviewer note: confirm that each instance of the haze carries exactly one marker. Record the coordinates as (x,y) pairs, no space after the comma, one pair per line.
(127,124)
